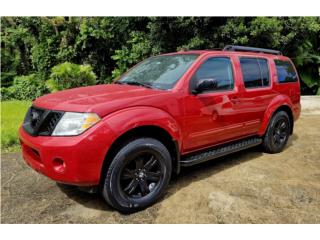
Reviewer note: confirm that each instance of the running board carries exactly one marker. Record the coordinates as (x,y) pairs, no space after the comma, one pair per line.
(219,151)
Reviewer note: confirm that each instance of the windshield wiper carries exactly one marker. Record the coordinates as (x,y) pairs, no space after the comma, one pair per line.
(136,83)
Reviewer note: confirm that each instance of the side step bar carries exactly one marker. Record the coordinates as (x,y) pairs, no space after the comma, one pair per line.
(219,151)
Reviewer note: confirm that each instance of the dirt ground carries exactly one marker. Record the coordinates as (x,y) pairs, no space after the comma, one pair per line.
(246,187)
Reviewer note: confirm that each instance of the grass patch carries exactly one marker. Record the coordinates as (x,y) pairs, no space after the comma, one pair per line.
(12,115)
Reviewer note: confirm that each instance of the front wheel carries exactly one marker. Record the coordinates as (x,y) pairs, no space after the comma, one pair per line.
(278,133)
(138,175)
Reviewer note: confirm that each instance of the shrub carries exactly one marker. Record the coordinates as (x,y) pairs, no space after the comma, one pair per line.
(24,88)
(7,93)
(69,75)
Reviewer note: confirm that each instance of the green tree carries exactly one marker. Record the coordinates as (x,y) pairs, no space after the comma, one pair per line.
(111,45)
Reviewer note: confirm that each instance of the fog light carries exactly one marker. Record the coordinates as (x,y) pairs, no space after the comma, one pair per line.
(59,165)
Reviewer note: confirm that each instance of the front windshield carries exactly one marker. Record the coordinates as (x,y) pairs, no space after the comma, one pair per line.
(160,72)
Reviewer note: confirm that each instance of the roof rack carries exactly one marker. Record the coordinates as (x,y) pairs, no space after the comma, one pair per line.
(250,49)
(190,49)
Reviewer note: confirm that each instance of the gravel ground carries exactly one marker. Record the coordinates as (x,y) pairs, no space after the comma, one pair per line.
(246,187)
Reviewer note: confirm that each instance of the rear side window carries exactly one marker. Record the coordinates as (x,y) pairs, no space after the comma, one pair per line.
(217,68)
(255,72)
(285,71)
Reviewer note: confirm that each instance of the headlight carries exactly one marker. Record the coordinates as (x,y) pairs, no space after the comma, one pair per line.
(73,123)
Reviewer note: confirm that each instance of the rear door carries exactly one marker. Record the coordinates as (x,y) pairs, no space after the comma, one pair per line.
(257,91)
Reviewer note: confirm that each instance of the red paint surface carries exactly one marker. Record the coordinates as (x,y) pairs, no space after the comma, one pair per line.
(194,121)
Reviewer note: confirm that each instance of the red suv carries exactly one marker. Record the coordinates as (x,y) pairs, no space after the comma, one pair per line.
(172,110)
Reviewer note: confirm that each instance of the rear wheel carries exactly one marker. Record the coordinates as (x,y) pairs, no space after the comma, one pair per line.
(138,175)
(278,133)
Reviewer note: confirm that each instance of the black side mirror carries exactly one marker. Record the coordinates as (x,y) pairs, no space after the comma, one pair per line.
(205,85)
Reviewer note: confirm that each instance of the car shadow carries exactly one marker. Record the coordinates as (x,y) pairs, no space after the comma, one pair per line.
(207,169)
(88,199)
(293,137)
(187,176)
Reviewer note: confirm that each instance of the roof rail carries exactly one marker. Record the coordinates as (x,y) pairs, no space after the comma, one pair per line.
(190,49)
(250,49)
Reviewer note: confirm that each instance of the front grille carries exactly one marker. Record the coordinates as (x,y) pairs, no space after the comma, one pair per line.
(50,123)
(35,116)
(41,122)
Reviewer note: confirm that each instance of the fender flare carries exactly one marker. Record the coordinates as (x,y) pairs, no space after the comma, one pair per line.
(133,117)
(276,103)
(124,120)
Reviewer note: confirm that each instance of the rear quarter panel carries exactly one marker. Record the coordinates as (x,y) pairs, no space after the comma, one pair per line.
(288,94)
(290,89)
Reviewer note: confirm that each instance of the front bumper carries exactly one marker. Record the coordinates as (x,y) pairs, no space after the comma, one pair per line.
(75,160)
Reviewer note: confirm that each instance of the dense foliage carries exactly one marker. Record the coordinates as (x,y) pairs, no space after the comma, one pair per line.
(110,45)
(24,88)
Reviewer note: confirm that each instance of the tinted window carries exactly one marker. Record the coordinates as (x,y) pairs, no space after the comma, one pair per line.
(285,71)
(255,72)
(219,69)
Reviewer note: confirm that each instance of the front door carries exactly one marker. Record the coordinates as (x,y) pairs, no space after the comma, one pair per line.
(211,117)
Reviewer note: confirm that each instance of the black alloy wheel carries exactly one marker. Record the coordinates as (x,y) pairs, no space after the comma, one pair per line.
(141,175)
(138,175)
(277,133)
(280,132)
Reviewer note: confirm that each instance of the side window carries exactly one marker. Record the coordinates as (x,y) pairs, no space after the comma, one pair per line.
(255,72)
(285,72)
(217,68)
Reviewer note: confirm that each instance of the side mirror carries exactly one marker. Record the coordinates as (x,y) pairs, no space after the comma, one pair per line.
(205,85)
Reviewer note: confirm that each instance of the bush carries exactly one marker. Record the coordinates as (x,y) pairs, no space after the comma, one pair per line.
(24,88)
(7,93)
(68,75)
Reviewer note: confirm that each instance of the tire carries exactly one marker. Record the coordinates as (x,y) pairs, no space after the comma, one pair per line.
(277,133)
(138,175)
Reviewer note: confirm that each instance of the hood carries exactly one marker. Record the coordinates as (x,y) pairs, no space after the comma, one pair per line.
(100,99)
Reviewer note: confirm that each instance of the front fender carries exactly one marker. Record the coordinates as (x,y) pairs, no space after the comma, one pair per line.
(278,101)
(124,120)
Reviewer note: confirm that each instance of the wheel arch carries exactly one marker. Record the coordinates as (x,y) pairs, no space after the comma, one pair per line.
(280,104)
(142,121)
(151,131)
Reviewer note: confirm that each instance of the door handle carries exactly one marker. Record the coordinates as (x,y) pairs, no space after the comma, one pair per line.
(235,100)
